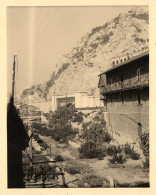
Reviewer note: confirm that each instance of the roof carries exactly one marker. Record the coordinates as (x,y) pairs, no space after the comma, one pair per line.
(128,61)
(25,105)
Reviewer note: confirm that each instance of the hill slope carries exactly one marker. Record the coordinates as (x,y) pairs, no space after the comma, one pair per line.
(79,69)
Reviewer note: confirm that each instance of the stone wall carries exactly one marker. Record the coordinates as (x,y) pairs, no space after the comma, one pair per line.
(123,117)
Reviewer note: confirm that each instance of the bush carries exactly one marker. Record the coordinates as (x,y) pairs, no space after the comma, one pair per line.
(146,163)
(89,150)
(144,142)
(135,156)
(59,158)
(112,149)
(40,141)
(62,116)
(42,130)
(128,149)
(92,180)
(63,134)
(60,123)
(78,117)
(73,170)
(96,133)
(118,158)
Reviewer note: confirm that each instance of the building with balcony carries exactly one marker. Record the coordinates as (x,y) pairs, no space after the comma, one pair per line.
(124,90)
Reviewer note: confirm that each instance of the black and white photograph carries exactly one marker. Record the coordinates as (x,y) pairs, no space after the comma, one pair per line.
(78,96)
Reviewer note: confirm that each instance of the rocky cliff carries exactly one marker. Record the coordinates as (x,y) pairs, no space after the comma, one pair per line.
(79,69)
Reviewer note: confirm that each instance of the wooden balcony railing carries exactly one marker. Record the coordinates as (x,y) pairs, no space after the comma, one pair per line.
(119,86)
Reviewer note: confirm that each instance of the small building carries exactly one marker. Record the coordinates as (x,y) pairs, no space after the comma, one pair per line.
(80,100)
(124,90)
(28,110)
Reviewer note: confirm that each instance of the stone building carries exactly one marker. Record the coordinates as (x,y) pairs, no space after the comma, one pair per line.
(28,110)
(124,90)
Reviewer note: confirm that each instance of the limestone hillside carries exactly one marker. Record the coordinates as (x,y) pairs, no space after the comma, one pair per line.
(79,69)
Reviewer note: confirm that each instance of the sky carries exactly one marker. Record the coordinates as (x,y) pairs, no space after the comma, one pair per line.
(40,36)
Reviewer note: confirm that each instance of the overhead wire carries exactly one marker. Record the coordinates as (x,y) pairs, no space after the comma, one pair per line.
(38,38)
(27,35)
(33,37)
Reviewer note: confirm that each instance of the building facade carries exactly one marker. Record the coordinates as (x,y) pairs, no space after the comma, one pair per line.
(124,90)
(28,110)
(81,100)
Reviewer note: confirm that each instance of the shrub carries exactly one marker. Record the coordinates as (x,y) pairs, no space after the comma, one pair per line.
(40,141)
(128,149)
(100,156)
(63,134)
(89,150)
(118,158)
(112,149)
(78,117)
(135,156)
(146,163)
(59,158)
(144,142)
(73,170)
(92,180)
(96,133)
(42,130)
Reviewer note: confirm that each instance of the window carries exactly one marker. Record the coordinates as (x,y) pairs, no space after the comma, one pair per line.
(139,98)
(111,80)
(122,98)
(139,73)
(121,78)
(111,99)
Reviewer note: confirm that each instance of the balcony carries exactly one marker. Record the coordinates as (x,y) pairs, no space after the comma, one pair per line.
(134,83)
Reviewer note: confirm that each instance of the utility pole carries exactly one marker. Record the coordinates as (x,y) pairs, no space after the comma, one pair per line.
(13,80)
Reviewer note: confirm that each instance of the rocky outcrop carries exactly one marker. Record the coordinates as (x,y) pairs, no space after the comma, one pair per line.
(78,70)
